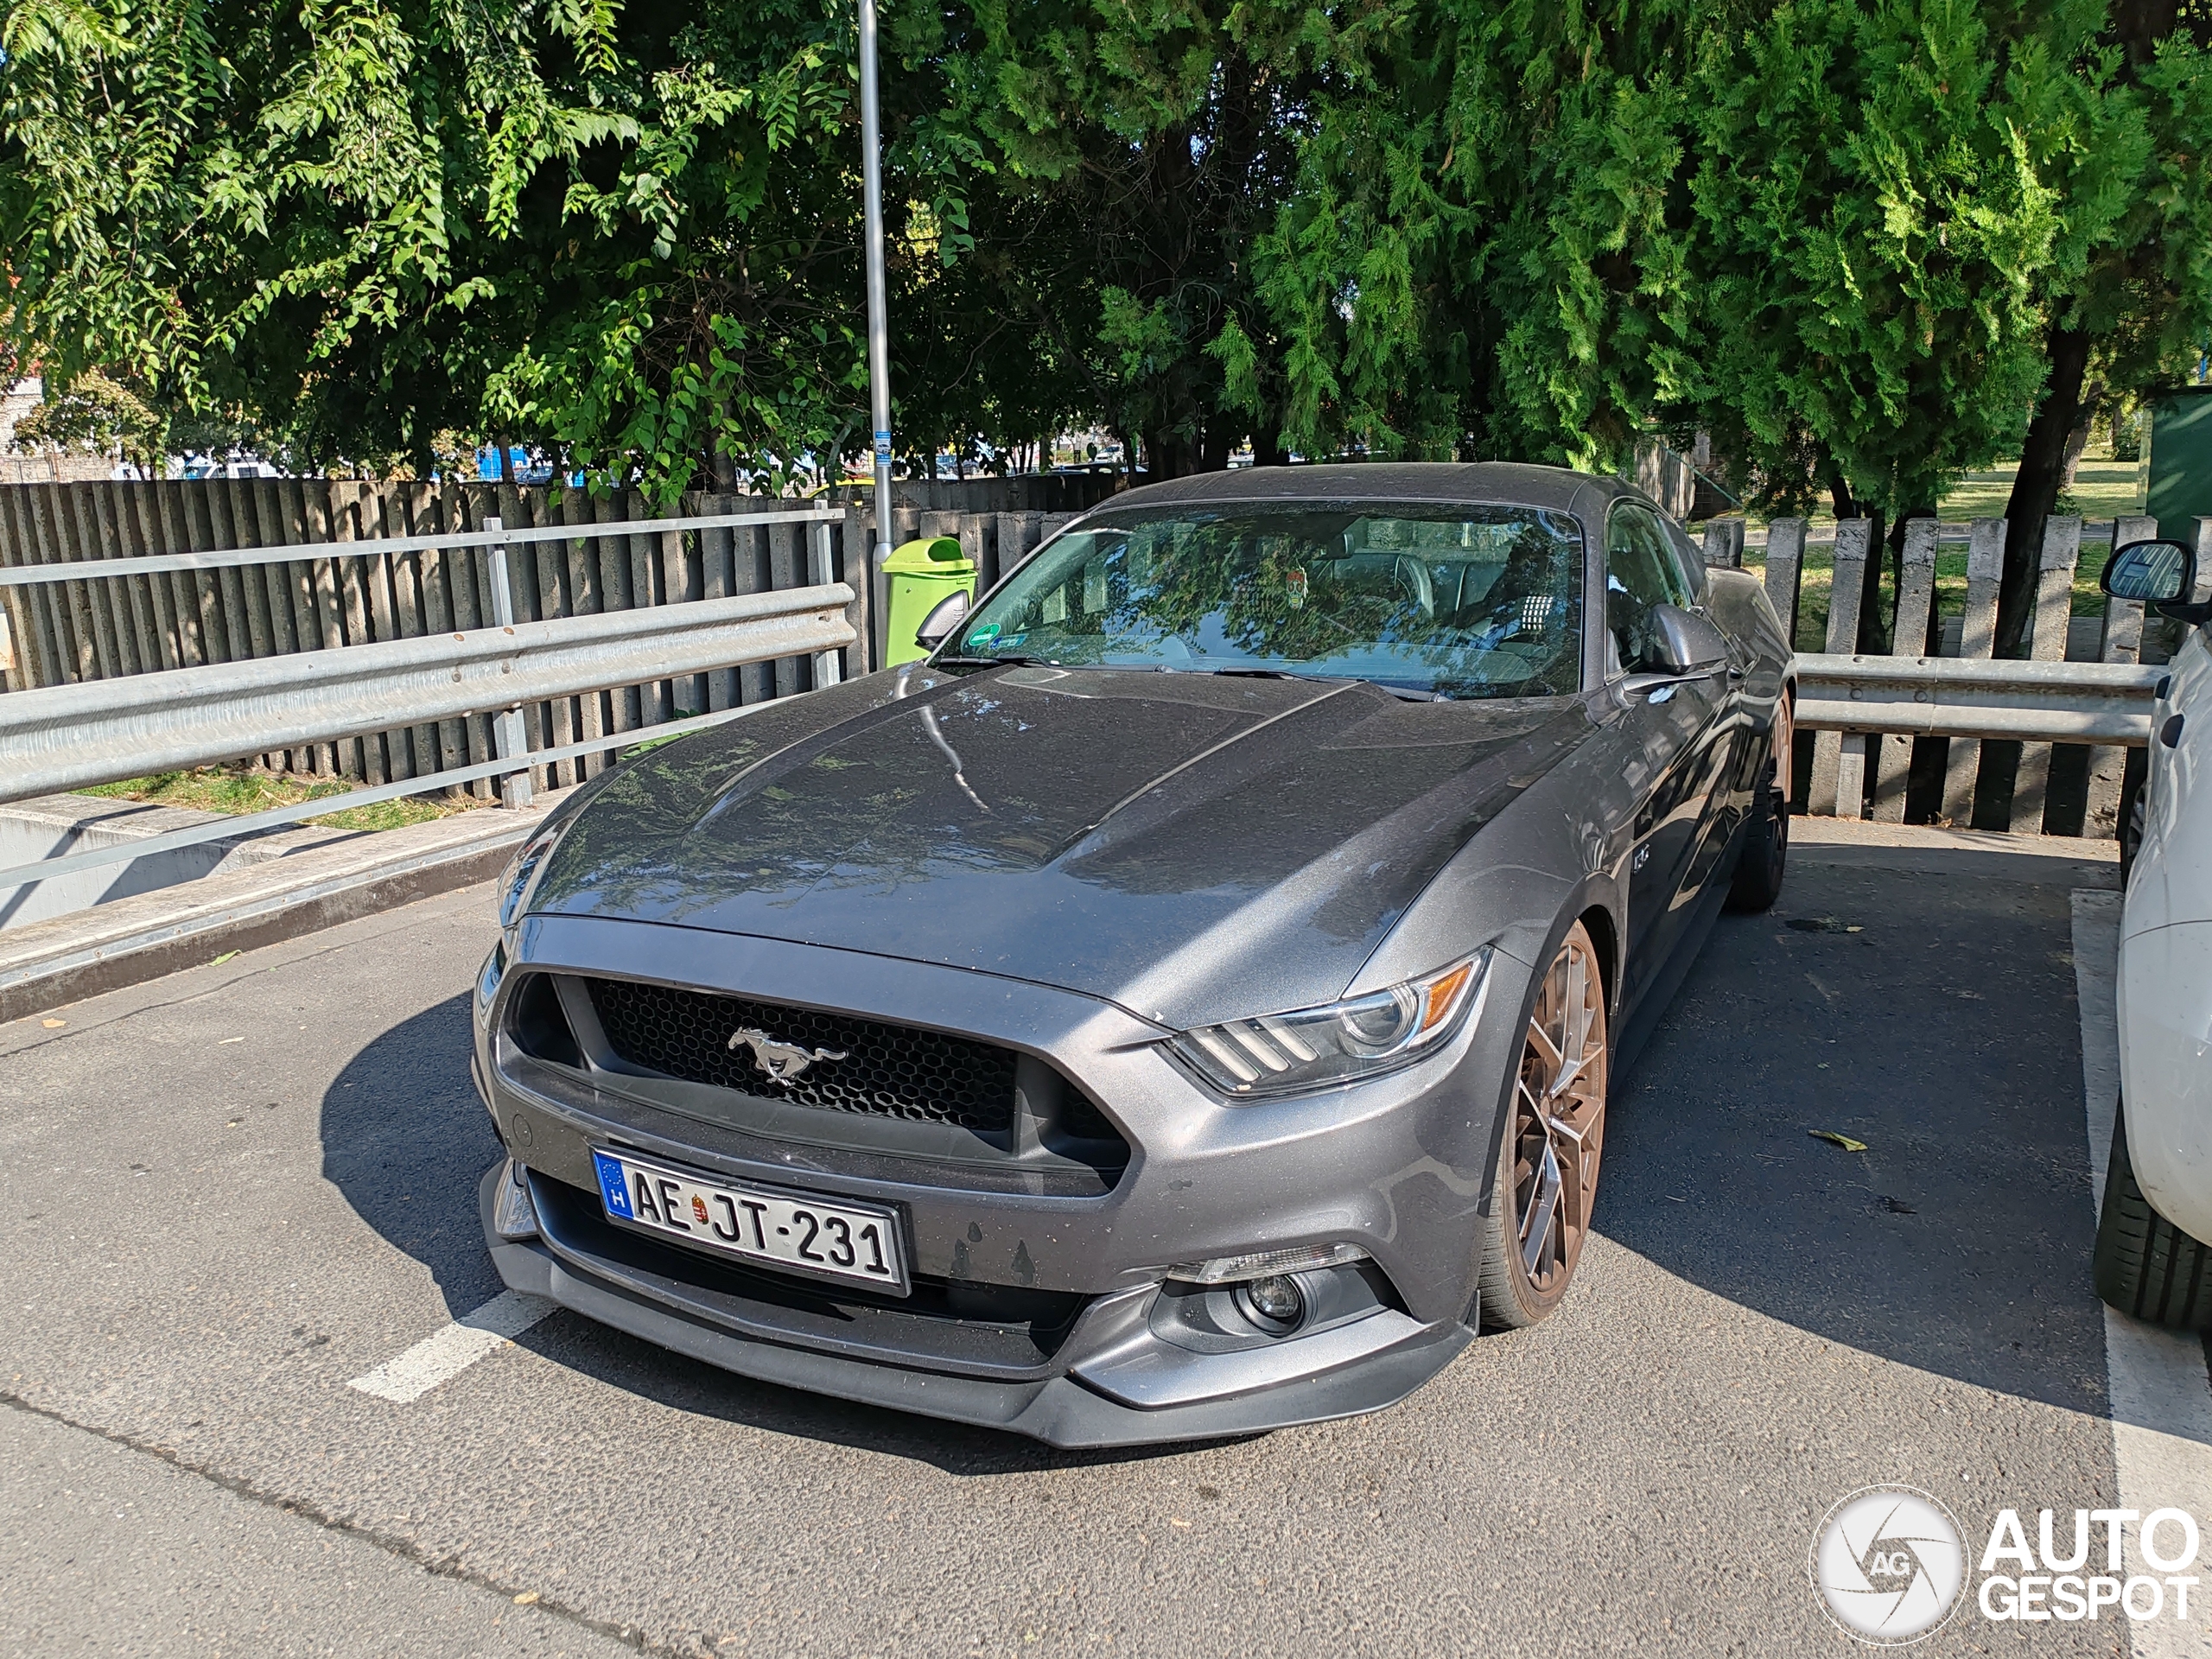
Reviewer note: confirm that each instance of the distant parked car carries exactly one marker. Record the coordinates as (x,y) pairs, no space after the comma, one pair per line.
(1183,1004)
(2151,1257)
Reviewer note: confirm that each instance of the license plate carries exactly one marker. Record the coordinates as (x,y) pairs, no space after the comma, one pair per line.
(839,1240)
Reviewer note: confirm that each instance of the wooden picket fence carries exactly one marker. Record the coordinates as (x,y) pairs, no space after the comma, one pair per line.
(2033,788)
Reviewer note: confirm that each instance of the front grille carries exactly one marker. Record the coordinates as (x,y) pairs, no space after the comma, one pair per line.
(886,1071)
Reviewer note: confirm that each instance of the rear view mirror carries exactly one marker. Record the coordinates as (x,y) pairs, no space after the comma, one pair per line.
(944,616)
(2153,572)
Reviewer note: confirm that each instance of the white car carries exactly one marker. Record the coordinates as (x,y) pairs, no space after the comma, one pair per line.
(2150,1259)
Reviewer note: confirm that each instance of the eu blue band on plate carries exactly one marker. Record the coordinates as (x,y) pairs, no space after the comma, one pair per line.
(611,1186)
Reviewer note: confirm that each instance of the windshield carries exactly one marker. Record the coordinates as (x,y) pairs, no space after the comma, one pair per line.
(1462,601)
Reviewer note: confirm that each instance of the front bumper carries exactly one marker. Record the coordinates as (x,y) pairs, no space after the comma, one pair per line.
(1060,1410)
(1399,1167)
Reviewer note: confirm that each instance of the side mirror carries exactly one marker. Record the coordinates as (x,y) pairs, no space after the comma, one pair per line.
(2154,572)
(1686,642)
(944,616)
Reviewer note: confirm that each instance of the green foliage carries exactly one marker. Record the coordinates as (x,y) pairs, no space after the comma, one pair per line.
(1837,234)
(1833,233)
(94,415)
(1871,216)
(357,224)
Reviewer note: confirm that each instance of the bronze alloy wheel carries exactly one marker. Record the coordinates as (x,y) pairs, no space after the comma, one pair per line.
(1547,1175)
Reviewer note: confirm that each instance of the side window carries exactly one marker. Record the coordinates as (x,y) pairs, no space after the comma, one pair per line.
(1641,572)
(1691,556)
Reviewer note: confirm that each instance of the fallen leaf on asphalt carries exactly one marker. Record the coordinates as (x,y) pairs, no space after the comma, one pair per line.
(1833,1139)
(527,1599)
(221,960)
(54,1025)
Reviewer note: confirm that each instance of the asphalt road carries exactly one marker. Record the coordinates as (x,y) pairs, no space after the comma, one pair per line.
(225,1195)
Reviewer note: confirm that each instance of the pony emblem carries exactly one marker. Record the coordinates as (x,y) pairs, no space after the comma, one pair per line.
(781,1061)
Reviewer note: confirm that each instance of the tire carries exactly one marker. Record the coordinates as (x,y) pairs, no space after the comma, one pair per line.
(1554,1135)
(1765,854)
(2146,1266)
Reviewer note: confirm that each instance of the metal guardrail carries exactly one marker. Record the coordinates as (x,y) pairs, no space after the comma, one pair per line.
(64,737)
(68,736)
(254,823)
(1950,696)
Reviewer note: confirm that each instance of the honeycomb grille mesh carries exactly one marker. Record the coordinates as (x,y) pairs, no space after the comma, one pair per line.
(887,1070)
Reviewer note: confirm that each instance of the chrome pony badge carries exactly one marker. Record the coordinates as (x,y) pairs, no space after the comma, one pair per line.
(781,1061)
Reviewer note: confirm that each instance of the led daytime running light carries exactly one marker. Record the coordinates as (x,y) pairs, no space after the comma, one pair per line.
(1266,1264)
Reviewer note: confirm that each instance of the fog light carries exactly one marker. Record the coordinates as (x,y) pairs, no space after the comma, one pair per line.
(513,1215)
(1274,1304)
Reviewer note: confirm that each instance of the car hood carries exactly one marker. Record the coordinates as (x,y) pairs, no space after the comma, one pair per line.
(1188,846)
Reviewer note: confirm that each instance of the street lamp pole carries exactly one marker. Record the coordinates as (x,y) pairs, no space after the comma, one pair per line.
(879,325)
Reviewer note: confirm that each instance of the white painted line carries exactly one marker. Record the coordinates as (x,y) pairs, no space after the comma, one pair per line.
(2159,1396)
(447,1353)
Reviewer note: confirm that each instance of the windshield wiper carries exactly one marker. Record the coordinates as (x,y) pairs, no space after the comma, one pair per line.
(1409,693)
(994,662)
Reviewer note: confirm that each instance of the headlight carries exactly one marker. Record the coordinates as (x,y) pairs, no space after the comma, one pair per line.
(1344,1042)
(521,874)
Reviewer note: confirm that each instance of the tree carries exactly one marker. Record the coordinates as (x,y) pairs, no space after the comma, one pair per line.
(2128,288)
(1852,238)
(619,235)
(1127,162)
(1868,244)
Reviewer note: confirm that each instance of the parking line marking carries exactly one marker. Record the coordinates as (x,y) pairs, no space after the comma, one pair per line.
(445,1354)
(2159,1394)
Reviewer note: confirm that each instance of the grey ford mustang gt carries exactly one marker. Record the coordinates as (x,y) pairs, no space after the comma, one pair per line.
(1184,1005)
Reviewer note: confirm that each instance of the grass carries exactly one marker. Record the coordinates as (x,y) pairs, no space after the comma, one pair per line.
(240,790)
(2103,488)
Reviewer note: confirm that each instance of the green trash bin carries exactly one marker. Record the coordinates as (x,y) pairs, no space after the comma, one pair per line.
(920,574)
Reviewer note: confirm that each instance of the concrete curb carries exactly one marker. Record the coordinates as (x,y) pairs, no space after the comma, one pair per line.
(68,958)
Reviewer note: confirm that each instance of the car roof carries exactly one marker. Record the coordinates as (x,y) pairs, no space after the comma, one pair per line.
(1503,482)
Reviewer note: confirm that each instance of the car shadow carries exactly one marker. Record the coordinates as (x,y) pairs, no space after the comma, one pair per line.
(405,1139)
(640,1368)
(1931,1019)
